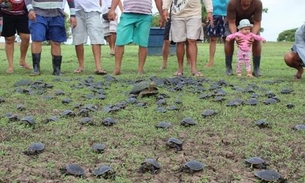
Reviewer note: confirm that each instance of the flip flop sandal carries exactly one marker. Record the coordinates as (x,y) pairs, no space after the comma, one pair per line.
(100,72)
(78,70)
(178,73)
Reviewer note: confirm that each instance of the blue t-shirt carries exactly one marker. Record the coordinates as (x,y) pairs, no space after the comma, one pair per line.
(220,7)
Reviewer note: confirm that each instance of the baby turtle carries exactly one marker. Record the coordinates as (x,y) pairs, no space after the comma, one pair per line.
(86,121)
(28,120)
(144,88)
(34,149)
(150,165)
(269,101)
(252,101)
(73,169)
(269,176)
(174,143)
(208,112)
(235,102)
(108,121)
(192,166)
(51,118)
(98,147)
(11,117)
(290,106)
(262,123)
(188,122)
(104,171)
(67,113)
(256,162)
(163,125)
(286,91)
(20,107)
(299,127)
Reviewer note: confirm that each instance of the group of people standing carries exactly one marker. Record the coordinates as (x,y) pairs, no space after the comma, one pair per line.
(238,20)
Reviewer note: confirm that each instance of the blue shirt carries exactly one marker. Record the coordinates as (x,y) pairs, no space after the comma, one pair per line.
(220,7)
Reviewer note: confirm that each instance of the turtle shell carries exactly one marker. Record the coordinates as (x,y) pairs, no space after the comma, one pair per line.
(173,108)
(286,91)
(20,107)
(11,117)
(86,121)
(150,165)
(269,101)
(98,147)
(252,101)
(108,121)
(256,162)
(188,122)
(35,148)
(262,123)
(51,118)
(73,169)
(29,120)
(67,113)
(193,166)
(208,112)
(290,106)
(163,124)
(174,143)
(299,127)
(219,99)
(104,171)
(66,101)
(143,85)
(235,103)
(268,175)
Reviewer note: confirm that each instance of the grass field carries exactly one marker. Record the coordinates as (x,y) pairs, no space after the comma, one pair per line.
(222,142)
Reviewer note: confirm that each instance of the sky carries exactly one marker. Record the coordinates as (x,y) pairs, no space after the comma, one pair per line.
(282,15)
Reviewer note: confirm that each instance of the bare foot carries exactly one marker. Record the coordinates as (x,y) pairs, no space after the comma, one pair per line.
(210,64)
(163,67)
(25,65)
(10,70)
(116,72)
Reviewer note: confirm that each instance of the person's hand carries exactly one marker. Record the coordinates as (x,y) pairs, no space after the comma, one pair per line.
(161,21)
(32,15)
(264,41)
(111,15)
(165,15)
(73,22)
(227,39)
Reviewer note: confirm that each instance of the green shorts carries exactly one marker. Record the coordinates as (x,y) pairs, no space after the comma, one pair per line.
(133,28)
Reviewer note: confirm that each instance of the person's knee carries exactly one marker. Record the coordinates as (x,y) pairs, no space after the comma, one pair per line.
(10,40)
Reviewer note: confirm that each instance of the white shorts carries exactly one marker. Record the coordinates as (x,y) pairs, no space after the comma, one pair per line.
(186,28)
(88,24)
(109,27)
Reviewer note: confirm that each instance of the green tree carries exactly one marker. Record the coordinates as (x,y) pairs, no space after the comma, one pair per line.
(287,36)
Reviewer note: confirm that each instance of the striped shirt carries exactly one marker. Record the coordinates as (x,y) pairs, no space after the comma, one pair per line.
(138,6)
(49,8)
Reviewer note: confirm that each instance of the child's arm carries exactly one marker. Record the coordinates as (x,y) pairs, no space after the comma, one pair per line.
(231,37)
(258,38)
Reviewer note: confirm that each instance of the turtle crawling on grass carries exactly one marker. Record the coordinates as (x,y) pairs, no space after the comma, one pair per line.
(144,88)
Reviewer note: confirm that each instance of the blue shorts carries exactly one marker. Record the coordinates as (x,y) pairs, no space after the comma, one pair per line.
(48,28)
(133,27)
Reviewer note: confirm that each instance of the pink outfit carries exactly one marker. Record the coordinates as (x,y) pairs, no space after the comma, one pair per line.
(244,49)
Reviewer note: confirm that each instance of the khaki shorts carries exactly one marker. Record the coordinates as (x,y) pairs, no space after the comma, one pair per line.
(186,28)
(88,24)
(109,27)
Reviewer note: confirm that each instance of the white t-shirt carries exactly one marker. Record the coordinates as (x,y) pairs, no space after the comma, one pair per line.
(88,5)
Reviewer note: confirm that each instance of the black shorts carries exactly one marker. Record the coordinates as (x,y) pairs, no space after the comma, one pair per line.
(15,23)
(166,30)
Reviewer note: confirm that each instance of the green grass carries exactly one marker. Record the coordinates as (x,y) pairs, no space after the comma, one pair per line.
(222,142)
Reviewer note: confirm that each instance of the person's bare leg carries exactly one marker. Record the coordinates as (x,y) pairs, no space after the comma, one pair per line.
(9,50)
(187,54)
(192,51)
(79,49)
(119,52)
(96,50)
(112,39)
(212,50)
(24,45)
(180,51)
(293,60)
(165,53)
(142,54)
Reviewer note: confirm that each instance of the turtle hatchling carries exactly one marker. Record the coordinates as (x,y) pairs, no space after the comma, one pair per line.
(35,149)
(86,121)
(188,122)
(208,112)
(108,121)
(67,113)
(104,171)
(98,147)
(73,169)
(174,143)
(28,120)
(256,162)
(269,176)
(144,88)
(300,127)
(163,125)
(192,166)
(150,165)
(262,123)
(252,101)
